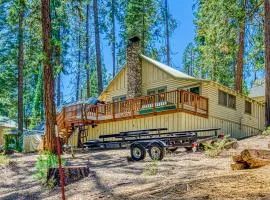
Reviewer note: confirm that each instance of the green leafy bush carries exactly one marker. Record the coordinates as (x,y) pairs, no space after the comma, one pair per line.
(214,148)
(43,163)
(266,132)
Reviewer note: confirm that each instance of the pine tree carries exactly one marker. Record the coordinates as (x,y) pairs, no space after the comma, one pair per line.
(48,77)
(97,44)
(241,50)
(168,59)
(20,69)
(267,60)
(88,90)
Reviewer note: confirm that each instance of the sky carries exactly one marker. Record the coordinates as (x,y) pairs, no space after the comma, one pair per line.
(184,33)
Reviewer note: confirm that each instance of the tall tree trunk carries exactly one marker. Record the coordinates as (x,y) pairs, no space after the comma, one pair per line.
(78,71)
(58,63)
(267,60)
(143,30)
(98,52)
(58,100)
(20,73)
(113,37)
(167,33)
(88,90)
(48,78)
(240,53)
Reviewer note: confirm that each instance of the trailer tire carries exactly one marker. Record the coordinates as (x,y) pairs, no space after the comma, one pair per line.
(156,151)
(137,152)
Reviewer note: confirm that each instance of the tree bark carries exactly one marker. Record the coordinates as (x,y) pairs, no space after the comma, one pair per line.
(20,72)
(240,53)
(113,38)
(267,60)
(88,90)
(167,33)
(48,78)
(78,71)
(58,63)
(58,100)
(143,30)
(97,44)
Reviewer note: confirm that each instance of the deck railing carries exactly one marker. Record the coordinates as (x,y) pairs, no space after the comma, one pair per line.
(173,101)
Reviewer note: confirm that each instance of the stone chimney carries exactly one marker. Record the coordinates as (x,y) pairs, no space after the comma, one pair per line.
(134,68)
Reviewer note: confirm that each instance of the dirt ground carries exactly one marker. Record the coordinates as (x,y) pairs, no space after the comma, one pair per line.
(180,175)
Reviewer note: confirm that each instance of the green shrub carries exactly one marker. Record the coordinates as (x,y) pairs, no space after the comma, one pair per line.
(152,168)
(266,132)
(43,163)
(214,148)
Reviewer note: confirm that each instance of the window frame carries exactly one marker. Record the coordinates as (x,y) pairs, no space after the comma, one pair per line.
(187,88)
(227,102)
(118,98)
(156,90)
(250,103)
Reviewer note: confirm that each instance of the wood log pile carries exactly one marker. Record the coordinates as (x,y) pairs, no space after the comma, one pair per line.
(251,158)
(71,174)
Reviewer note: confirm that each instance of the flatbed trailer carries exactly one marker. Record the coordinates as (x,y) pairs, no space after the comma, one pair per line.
(156,144)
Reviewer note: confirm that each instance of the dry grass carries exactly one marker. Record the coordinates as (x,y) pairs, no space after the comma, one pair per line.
(181,175)
(4,160)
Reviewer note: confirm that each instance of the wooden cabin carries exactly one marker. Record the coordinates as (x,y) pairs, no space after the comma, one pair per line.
(148,94)
(6,124)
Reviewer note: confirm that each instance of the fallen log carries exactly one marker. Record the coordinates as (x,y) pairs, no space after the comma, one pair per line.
(238,159)
(239,166)
(71,174)
(256,157)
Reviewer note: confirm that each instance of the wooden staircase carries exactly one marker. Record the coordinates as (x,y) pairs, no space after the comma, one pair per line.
(82,135)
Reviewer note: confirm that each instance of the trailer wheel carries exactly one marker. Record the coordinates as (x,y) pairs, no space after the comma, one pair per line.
(137,152)
(156,151)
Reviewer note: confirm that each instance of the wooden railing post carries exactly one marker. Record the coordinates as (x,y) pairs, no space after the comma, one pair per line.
(97,111)
(113,113)
(64,116)
(182,99)
(132,104)
(178,99)
(195,103)
(207,106)
(154,104)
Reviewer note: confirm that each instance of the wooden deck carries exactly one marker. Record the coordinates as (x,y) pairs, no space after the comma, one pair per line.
(163,103)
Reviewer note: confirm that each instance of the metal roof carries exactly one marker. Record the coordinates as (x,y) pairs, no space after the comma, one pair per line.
(173,72)
(7,122)
(258,89)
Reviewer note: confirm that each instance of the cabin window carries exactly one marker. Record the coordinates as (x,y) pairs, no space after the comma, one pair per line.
(157,90)
(120,98)
(193,89)
(248,107)
(226,99)
(222,98)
